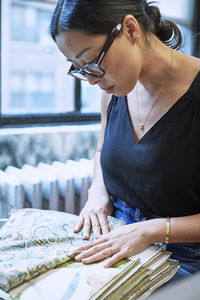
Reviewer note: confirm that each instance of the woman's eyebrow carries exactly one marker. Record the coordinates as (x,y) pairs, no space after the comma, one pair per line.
(80,54)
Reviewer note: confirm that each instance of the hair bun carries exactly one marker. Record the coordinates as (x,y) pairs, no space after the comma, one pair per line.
(165,30)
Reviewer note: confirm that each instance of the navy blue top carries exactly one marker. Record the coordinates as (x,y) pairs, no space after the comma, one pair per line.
(160,174)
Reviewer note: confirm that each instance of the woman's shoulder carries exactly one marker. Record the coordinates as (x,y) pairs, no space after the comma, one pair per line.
(105,102)
(195,83)
(195,67)
(189,74)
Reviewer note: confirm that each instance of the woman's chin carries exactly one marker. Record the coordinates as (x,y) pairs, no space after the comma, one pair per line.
(122,92)
(119,94)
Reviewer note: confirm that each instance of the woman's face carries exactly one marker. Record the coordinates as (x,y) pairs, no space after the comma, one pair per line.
(122,62)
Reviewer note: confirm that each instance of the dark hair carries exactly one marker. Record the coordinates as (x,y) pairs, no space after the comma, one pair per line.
(101,16)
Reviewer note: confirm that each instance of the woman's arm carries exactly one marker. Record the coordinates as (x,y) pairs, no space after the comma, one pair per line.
(131,239)
(181,230)
(98,206)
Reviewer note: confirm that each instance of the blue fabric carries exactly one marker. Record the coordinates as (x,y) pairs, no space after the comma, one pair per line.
(188,254)
(160,174)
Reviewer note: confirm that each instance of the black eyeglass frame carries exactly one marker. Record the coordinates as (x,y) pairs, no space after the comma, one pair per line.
(96,62)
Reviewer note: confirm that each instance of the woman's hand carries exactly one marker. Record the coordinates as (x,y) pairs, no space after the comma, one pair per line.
(120,243)
(94,214)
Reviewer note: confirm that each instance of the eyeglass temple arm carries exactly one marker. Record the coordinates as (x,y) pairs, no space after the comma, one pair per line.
(114,33)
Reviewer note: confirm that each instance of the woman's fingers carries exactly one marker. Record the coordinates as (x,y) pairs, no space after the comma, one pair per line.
(100,252)
(103,223)
(90,246)
(95,225)
(98,256)
(85,223)
(86,228)
(115,258)
(97,222)
(94,253)
(79,225)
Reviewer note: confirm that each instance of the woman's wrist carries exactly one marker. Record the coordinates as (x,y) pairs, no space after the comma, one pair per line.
(155,231)
(94,188)
(173,230)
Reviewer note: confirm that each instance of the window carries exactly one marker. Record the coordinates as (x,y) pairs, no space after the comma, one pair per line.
(34,85)
(30,92)
(182,13)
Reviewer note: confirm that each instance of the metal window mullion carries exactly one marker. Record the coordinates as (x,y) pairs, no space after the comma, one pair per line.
(77,104)
(196,29)
(0,58)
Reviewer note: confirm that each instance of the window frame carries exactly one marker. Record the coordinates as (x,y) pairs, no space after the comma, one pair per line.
(75,117)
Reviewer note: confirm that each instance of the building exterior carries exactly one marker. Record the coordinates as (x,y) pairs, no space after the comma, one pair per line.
(34,72)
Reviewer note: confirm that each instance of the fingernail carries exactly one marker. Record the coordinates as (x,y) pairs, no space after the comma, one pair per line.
(77,258)
(74,254)
(77,251)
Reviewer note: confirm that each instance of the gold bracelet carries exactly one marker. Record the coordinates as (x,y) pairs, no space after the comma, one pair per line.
(167,230)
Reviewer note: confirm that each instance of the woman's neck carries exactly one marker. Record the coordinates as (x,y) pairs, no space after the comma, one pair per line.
(158,65)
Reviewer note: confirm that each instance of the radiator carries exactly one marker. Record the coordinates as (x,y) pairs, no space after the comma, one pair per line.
(57,186)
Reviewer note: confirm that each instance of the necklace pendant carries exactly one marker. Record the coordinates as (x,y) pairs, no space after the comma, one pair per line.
(141,126)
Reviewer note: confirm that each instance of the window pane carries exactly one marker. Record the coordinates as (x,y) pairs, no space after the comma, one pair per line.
(188,42)
(90,97)
(181,10)
(34,72)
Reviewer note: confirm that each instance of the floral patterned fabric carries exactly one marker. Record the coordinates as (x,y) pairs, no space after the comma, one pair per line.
(34,241)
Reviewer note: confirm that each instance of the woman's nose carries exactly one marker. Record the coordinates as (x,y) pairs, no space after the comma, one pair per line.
(93,80)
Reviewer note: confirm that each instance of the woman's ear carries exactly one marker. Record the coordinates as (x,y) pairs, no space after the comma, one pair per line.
(131,27)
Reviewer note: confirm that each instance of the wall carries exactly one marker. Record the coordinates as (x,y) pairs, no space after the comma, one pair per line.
(46,144)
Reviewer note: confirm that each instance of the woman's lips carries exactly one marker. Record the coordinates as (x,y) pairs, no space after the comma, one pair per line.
(109,90)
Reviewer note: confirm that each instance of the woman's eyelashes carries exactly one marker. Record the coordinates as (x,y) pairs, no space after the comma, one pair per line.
(87,60)
(75,65)
(81,63)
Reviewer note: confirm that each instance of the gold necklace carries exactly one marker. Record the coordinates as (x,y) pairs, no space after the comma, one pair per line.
(140,123)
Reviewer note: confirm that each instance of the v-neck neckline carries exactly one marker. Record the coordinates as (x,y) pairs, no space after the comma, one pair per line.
(165,115)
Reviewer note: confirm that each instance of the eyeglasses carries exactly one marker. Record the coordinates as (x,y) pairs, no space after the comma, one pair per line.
(93,68)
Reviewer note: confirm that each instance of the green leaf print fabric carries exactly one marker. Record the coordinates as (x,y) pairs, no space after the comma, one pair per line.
(34,241)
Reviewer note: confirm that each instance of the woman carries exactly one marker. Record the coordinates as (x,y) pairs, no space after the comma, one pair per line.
(147,162)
